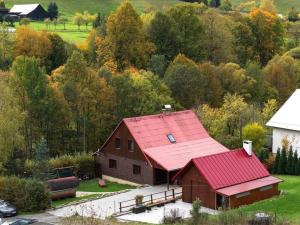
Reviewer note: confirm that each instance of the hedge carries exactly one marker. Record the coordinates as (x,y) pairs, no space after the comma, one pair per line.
(26,194)
(83,164)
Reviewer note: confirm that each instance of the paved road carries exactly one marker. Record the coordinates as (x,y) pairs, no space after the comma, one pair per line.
(105,207)
(41,217)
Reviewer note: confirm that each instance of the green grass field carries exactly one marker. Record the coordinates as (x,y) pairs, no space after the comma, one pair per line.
(287,205)
(69,7)
(92,186)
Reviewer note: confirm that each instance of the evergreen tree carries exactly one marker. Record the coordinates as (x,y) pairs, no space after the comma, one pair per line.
(296,162)
(41,166)
(282,162)
(215,3)
(52,10)
(99,20)
(275,168)
(290,162)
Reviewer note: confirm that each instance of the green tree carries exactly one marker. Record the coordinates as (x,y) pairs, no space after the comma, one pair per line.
(158,64)
(276,169)
(59,52)
(293,15)
(24,21)
(2,4)
(78,20)
(185,81)
(11,120)
(257,134)
(127,38)
(282,165)
(290,162)
(226,5)
(295,163)
(52,10)
(215,3)
(41,168)
(6,47)
(99,20)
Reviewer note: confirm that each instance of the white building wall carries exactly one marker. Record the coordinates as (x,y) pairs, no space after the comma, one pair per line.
(291,135)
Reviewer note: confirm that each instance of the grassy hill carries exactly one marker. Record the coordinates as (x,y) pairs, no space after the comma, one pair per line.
(69,7)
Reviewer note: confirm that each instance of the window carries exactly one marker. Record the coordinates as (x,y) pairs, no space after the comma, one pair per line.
(171,138)
(266,188)
(112,164)
(130,145)
(242,194)
(136,169)
(117,143)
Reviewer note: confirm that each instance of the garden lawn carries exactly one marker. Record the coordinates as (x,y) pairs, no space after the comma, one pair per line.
(64,201)
(92,186)
(286,205)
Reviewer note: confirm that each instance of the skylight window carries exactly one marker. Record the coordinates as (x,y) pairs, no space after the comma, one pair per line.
(171,138)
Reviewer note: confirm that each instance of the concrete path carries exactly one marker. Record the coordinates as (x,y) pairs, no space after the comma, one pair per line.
(105,207)
(156,214)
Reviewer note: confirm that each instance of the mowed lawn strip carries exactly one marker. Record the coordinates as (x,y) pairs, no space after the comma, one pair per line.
(286,205)
(92,186)
(64,201)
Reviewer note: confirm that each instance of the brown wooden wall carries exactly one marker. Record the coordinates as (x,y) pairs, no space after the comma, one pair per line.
(255,195)
(195,186)
(125,159)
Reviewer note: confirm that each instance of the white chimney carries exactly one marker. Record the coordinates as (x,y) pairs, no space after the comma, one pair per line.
(247,145)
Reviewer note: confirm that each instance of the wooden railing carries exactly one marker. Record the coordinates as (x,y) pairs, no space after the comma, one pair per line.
(152,199)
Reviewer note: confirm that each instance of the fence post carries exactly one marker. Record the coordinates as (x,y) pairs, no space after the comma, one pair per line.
(165,195)
(173,193)
(120,207)
(151,199)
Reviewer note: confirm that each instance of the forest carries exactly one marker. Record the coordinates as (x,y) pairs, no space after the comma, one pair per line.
(234,69)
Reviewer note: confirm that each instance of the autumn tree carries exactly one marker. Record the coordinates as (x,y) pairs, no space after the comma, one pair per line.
(282,73)
(78,20)
(140,93)
(127,37)
(7,45)
(185,81)
(268,5)
(29,42)
(218,38)
(59,53)
(257,134)
(268,34)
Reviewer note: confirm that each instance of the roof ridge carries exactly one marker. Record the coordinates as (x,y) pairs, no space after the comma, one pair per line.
(157,115)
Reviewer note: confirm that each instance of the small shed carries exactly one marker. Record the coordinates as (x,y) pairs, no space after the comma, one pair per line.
(286,124)
(32,11)
(226,180)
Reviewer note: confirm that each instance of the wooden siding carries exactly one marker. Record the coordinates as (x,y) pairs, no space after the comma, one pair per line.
(125,159)
(255,195)
(195,186)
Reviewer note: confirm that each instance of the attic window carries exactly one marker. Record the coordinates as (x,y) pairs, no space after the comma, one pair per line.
(171,138)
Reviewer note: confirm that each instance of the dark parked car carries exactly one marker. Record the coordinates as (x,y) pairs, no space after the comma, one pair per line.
(23,222)
(7,209)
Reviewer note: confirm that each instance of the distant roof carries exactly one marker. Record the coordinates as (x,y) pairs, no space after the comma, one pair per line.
(172,139)
(228,169)
(287,117)
(23,9)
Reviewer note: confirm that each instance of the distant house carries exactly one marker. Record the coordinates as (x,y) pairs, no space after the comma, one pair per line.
(286,123)
(226,180)
(32,11)
(3,12)
(152,149)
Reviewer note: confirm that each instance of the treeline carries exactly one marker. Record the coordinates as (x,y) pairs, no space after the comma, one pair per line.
(189,56)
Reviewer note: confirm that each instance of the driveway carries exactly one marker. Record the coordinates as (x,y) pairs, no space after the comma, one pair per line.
(105,207)
(157,214)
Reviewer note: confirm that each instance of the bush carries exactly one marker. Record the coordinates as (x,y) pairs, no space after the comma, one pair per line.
(26,194)
(83,164)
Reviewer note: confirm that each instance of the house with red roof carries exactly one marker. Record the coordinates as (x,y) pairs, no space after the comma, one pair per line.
(152,149)
(227,180)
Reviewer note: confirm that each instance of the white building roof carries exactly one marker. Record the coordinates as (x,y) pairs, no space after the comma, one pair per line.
(288,116)
(23,9)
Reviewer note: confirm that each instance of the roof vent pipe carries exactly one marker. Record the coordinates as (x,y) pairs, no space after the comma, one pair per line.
(247,145)
(166,109)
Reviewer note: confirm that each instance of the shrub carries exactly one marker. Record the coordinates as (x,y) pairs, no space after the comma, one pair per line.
(26,194)
(85,166)
(62,161)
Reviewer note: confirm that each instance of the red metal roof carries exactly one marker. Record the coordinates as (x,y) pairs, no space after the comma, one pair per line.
(151,131)
(228,168)
(248,186)
(176,156)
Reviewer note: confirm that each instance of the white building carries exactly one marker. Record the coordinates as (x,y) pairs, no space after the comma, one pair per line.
(286,123)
